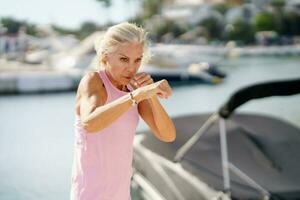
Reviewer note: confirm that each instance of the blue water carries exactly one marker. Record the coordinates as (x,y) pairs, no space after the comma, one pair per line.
(36,134)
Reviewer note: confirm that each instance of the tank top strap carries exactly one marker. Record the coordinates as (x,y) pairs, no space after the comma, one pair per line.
(104,78)
(107,83)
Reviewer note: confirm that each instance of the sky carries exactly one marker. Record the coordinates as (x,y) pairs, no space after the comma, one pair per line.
(67,13)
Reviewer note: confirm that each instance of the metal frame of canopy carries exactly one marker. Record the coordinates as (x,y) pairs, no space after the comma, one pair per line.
(276,88)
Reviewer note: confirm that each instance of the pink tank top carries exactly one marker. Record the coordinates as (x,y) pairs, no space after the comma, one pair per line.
(102,162)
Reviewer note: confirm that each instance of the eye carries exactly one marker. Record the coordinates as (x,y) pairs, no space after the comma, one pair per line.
(123,59)
(138,60)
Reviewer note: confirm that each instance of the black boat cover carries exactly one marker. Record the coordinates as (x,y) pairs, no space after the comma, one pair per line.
(266,149)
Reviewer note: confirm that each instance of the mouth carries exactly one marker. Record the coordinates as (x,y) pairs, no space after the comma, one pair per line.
(128,77)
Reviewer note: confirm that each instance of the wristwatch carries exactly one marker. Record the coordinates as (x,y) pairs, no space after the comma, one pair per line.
(134,102)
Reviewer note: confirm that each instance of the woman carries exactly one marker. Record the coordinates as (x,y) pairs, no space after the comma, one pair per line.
(108,105)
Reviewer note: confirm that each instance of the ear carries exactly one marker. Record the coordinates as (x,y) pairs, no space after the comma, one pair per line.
(104,58)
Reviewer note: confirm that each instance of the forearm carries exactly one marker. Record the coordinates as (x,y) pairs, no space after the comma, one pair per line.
(162,120)
(105,115)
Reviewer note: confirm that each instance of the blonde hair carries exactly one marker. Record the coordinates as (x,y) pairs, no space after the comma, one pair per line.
(124,32)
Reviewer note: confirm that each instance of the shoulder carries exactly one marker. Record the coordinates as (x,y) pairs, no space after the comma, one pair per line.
(91,81)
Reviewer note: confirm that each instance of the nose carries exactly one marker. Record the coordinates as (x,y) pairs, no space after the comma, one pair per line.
(132,69)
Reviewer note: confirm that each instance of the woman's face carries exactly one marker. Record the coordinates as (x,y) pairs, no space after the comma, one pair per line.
(124,62)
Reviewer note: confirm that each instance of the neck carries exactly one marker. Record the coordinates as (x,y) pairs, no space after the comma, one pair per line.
(115,83)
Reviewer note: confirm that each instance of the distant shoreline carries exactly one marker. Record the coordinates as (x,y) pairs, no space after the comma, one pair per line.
(22,78)
(284,50)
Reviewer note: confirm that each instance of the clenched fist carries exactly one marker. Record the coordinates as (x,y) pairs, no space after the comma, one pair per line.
(148,87)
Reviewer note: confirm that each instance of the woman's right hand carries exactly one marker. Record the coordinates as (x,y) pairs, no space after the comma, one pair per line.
(160,88)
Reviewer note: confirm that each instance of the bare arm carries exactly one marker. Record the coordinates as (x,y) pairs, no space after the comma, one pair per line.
(94,114)
(157,119)
(154,114)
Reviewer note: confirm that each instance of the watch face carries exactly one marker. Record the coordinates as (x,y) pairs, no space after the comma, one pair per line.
(132,99)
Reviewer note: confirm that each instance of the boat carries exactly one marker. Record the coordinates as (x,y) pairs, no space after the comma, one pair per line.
(196,72)
(225,154)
